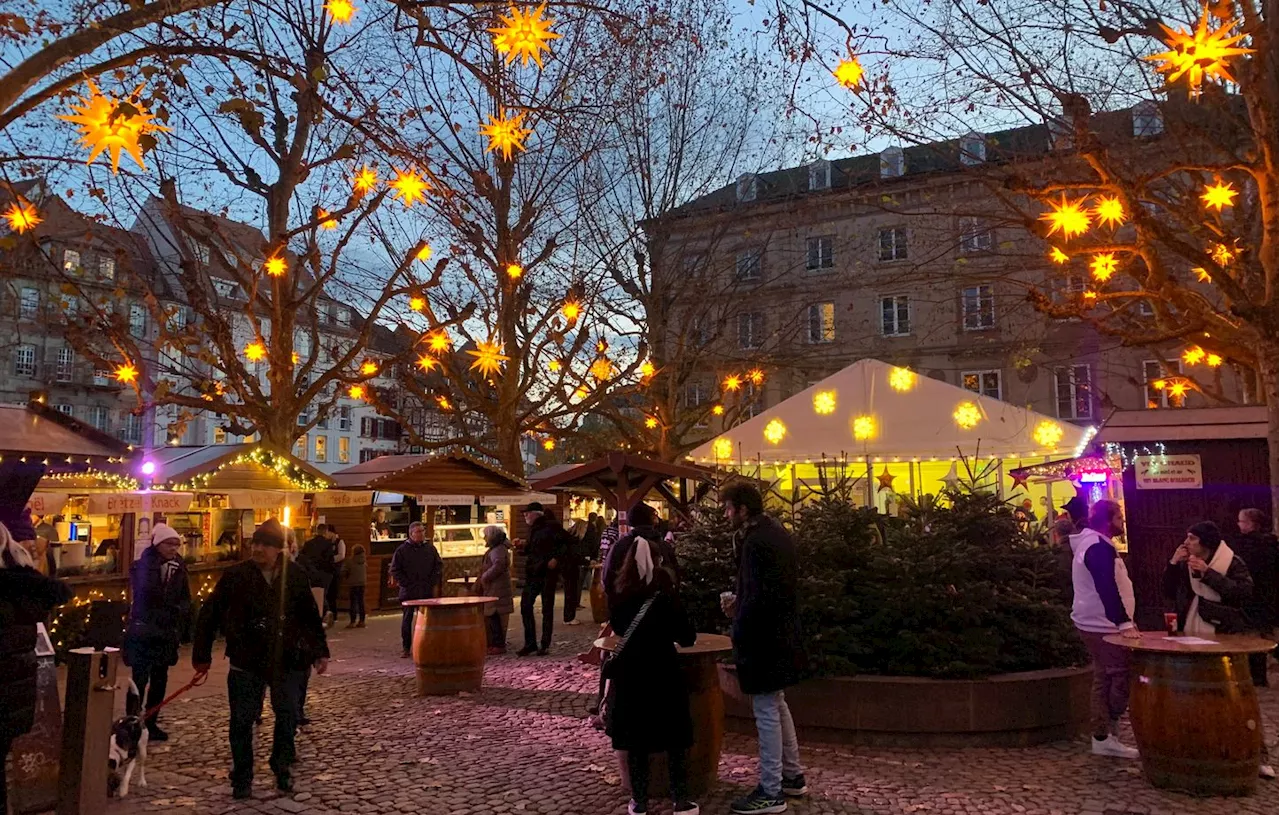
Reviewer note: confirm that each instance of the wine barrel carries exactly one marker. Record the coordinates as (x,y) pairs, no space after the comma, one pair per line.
(448,647)
(1197,722)
(599,607)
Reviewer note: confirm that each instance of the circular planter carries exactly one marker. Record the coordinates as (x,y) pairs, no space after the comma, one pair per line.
(1007,710)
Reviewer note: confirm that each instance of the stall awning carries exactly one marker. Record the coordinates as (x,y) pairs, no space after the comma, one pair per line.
(119,503)
(450,474)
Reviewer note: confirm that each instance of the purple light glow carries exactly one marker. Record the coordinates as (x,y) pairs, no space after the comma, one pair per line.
(148,468)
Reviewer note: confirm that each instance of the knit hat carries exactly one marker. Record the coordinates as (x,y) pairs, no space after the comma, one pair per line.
(18,521)
(162,532)
(533,506)
(1208,533)
(270,533)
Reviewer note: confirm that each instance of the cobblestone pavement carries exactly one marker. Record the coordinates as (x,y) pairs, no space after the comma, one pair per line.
(523,745)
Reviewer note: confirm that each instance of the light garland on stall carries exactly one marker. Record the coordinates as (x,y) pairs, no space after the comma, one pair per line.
(115,480)
(278,464)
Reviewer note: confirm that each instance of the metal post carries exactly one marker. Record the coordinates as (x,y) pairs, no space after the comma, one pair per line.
(86,732)
(871,496)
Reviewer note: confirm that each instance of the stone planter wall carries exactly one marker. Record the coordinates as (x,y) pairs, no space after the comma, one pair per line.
(1006,710)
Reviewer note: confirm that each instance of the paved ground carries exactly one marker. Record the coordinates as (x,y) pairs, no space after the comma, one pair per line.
(523,745)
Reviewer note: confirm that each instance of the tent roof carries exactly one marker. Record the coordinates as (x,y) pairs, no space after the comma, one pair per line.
(38,430)
(918,422)
(218,463)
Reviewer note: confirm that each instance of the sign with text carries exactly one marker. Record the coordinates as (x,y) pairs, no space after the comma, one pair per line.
(343,498)
(262,499)
(119,503)
(47,503)
(1167,472)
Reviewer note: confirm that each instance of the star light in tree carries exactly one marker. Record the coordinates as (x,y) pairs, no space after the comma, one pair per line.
(864,428)
(723,448)
(428,363)
(849,73)
(366,178)
(571,310)
(126,373)
(1193,355)
(967,415)
(326,221)
(1048,434)
(775,431)
(113,126)
(1222,254)
(275,267)
(732,382)
(718,410)
(755,376)
(22,216)
(1213,360)
(515,271)
(424,254)
(438,341)
(1219,195)
(341,10)
(1068,217)
(255,352)
(443,402)
(368,368)
(548,444)
(651,423)
(554,366)
(1103,266)
(524,35)
(417,303)
(1199,54)
(602,368)
(1109,210)
(488,358)
(356,391)
(824,403)
(647,370)
(1057,255)
(505,134)
(410,187)
(1202,274)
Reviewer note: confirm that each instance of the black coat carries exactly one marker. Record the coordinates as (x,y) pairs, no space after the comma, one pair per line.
(269,627)
(620,551)
(547,541)
(651,697)
(26,598)
(157,612)
(1259,551)
(766,626)
(318,555)
(417,568)
(1235,587)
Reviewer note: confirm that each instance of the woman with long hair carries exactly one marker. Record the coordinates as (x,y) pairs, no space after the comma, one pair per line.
(650,707)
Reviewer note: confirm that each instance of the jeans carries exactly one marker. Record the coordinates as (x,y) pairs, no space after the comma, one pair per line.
(495,626)
(571,573)
(677,771)
(406,627)
(244,693)
(779,750)
(355,596)
(152,679)
(1110,682)
(331,596)
(543,586)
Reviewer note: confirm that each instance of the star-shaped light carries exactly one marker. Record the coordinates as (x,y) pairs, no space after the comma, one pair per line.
(732,382)
(602,345)
(417,303)
(1219,195)
(602,368)
(428,363)
(326,220)
(113,126)
(967,415)
(515,271)
(424,254)
(275,267)
(356,391)
(1202,274)
(885,480)
(755,376)
(1193,355)
(775,431)
(1057,255)
(505,134)
(409,187)
(1048,434)
(1177,391)
(368,368)
(849,73)
(1109,210)
(366,178)
(864,428)
(554,366)
(1068,217)
(524,35)
(22,216)
(1199,54)
(651,423)
(1103,266)
(722,448)
(581,393)
(488,358)
(718,410)
(548,444)
(902,379)
(1222,254)
(443,402)
(126,373)
(571,310)
(438,341)
(255,352)
(647,370)
(341,10)
(1213,360)
(824,403)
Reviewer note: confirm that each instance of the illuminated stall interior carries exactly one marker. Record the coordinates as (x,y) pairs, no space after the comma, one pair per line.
(887,432)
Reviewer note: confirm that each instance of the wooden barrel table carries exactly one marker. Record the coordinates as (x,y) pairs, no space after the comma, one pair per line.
(449,644)
(706,707)
(459,586)
(1195,712)
(599,607)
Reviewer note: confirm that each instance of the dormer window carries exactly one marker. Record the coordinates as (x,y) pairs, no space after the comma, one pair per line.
(225,288)
(1147,120)
(973,149)
(892,162)
(820,175)
(746,187)
(201,251)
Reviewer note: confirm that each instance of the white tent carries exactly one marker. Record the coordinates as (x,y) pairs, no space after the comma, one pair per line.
(874,410)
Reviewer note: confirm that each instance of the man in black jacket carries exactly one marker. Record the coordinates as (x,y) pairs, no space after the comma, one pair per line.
(160,603)
(320,555)
(274,633)
(766,644)
(1260,551)
(416,570)
(542,553)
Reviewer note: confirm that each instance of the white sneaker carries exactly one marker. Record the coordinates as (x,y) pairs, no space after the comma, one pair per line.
(574,621)
(1266,771)
(1111,746)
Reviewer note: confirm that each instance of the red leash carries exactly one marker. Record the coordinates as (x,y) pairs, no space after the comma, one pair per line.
(196,681)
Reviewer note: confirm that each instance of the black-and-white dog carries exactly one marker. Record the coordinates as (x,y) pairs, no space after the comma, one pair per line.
(128,747)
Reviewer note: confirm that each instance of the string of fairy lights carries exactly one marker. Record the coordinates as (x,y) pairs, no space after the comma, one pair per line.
(281,466)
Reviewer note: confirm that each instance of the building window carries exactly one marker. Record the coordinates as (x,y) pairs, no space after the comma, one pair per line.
(219,435)
(821,253)
(1147,120)
(1145,308)
(65,409)
(822,322)
(746,187)
(24,361)
(138,321)
(978,304)
(975,236)
(107,268)
(131,428)
(694,394)
(66,364)
(892,162)
(752,403)
(893,243)
(820,175)
(973,149)
(344,418)
(71,261)
(1074,389)
(751,329)
(322,449)
(895,315)
(701,332)
(323,422)
(1154,374)
(983,383)
(225,288)
(100,418)
(301,447)
(101,377)
(29,304)
(748,265)
(344,317)
(1067,289)
(344,450)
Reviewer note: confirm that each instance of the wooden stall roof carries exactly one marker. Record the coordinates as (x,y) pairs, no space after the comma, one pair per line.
(220,467)
(623,479)
(446,473)
(38,430)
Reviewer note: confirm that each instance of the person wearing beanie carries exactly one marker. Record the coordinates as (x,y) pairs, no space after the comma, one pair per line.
(545,549)
(1208,584)
(274,634)
(161,600)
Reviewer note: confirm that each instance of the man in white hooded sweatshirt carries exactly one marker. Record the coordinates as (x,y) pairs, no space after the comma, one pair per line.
(1102,607)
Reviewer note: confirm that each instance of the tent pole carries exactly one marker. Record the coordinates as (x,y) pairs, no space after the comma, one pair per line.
(871,498)
(1000,478)
(911,479)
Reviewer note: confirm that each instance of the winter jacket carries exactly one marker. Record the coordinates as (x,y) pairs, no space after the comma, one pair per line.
(1234,587)
(318,554)
(495,577)
(26,598)
(270,628)
(158,610)
(417,568)
(619,552)
(766,625)
(1259,551)
(547,541)
(355,569)
(1103,594)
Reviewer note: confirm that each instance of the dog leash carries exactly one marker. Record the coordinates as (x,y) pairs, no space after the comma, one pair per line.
(196,681)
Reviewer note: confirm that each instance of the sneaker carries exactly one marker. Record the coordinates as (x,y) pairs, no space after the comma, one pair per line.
(1111,746)
(636,809)
(794,787)
(685,808)
(1266,771)
(542,652)
(573,622)
(758,803)
(154,733)
(404,654)
(526,651)
(242,791)
(360,624)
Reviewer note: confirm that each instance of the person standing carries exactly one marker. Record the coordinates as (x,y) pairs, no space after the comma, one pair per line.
(1259,548)
(1208,584)
(161,600)
(571,569)
(339,557)
(355,573)
(26,598)
(274,634)
(320,556)
(1102,606)
(416,569)
(543,551)
(495,581)
(766,644)
(642,520)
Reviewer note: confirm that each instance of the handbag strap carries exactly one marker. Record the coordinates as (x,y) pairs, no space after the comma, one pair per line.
(635,623)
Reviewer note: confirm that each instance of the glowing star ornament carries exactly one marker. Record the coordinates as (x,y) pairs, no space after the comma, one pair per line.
(1213,360)
(113,126)
(647,370)
(886,480)
(1057,255)
(967,415)
(428,363)
(722,448)
(1193,355)
(365,180)
(824,403)
(1103,266)
(341,10)
(1202,274)
(524,35)
(438,342)
(326,220)
(410,187)
(602,368)
(548,444)
(368,368)
(554,366)
(275,267)
(902,379)
(126,373)
(849,73)
(864,428)
(718,410)
(732,383)
(775,431)
(571,311)
(424,254)
(356,391)
(505,134)
(255,352)
(651,423)
(1108,210)
(1222,254)
(1048,434)
(1177,392)
(22,216)
(443,402)
(756,376)
(1067,217)
(515,271)
(417,303)
(1219,195)
(488,358)
(1200,54)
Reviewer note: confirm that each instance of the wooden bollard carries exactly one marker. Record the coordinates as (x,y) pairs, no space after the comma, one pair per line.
(86,730)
